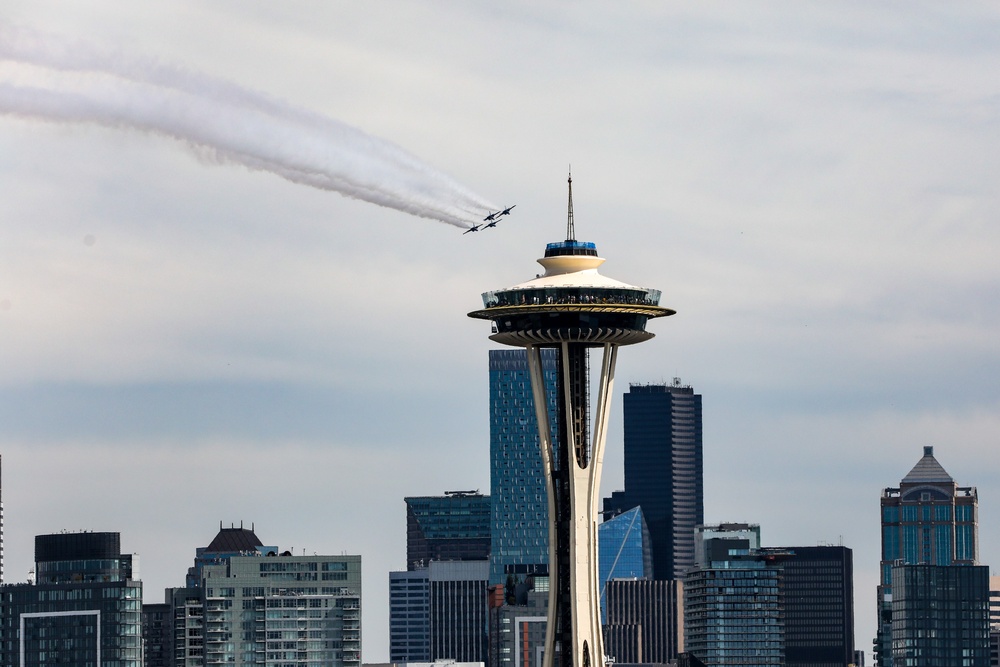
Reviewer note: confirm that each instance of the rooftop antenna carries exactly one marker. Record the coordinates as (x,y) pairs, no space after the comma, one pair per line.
(570,232)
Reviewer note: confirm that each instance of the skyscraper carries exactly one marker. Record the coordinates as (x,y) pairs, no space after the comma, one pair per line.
(928,519)
(572,308)
(624,551)
(663,471)
(455,526)
(519,526)
(84,608)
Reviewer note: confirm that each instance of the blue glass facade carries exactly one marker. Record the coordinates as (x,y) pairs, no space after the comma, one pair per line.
(519,506)
(624,551)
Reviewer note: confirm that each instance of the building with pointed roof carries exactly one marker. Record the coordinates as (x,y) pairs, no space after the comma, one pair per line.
(249,604)
(927,520)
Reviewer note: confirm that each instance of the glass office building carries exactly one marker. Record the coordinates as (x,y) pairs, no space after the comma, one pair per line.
(624,551)
(930,520)
(519,504)
(455,526)
(84,608)
(940,616)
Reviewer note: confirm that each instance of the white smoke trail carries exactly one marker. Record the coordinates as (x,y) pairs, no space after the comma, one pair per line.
(73,82)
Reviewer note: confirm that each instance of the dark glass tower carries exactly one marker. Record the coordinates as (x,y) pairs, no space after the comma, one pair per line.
(455,526)
(818,603)
(84,608)
(519,526)
(940,615)
(663,471)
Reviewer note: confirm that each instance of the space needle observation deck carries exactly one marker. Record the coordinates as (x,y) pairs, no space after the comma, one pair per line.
(572,308)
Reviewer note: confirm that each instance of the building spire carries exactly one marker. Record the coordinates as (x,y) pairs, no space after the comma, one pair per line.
(570,232)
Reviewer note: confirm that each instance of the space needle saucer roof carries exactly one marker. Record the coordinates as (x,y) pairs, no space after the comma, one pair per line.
(571,301)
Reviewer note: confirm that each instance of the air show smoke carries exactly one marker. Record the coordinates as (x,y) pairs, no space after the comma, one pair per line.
(62,81)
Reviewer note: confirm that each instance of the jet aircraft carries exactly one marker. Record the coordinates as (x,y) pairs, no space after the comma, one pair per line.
(506,211)
(473,228)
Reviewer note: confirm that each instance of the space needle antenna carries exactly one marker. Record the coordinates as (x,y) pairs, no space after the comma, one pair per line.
(570,232)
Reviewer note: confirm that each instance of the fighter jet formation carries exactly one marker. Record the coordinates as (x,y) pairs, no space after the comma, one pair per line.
(491,220)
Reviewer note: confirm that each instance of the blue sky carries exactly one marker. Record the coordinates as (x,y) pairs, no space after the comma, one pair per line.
(812,186)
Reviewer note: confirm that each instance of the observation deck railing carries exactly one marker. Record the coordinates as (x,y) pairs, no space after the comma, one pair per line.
(572,295)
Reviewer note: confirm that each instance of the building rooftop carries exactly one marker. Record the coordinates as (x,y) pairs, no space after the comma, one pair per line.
(234,540)
(928,471)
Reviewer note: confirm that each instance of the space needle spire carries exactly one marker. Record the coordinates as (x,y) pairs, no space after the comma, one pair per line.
(570,232)
(572,308)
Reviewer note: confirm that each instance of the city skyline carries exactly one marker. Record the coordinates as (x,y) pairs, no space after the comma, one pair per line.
(812,189)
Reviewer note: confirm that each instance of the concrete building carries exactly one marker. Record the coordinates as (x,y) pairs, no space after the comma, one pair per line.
(252,606)
(928,519)
(84,607)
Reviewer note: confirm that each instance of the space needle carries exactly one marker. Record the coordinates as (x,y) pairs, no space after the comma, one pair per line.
(572,308)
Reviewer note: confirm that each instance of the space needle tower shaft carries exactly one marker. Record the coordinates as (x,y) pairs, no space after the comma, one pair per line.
(572,308)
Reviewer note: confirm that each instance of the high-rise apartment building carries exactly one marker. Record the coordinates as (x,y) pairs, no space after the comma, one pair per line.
(519,543)
(253,606)
(927,520)
(157,635)
(84,607)
(663,471)
(455,526)
(732,599)
(818,605)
